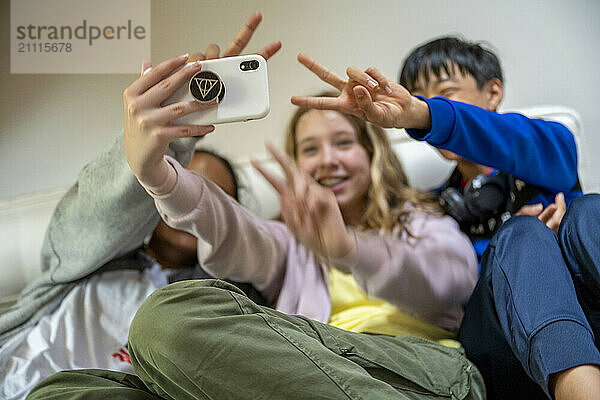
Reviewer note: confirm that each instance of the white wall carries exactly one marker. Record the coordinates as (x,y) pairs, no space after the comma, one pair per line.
(51,125)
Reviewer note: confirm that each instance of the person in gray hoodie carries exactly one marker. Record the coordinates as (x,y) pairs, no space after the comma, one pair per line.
(97,231)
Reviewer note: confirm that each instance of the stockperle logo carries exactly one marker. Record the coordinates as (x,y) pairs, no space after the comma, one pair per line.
(79,36)
(206,86)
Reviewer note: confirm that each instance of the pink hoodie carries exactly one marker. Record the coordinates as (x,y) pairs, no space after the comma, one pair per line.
(430,275)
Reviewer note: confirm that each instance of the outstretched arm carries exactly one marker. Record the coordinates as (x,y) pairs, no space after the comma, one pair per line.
(107,213)
(539,152)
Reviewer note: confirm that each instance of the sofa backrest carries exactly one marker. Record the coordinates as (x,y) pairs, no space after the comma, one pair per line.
(23,219)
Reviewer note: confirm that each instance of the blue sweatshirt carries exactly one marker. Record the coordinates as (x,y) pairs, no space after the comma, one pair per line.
(542,153)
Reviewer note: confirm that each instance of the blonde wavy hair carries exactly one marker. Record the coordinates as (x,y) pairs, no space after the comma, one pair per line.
(389,193)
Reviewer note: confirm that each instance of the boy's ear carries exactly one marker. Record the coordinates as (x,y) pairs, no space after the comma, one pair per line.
(494,92)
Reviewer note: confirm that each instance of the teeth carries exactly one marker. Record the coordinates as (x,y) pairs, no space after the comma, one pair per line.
(330,181)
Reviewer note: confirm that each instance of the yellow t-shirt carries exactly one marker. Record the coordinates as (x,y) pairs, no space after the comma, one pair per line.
(353,310)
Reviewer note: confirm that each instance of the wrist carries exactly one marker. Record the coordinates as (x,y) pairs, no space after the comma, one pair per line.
(420,115)
(348,250)
(161,180)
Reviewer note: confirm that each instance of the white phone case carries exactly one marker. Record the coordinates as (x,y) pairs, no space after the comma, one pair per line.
(246,92)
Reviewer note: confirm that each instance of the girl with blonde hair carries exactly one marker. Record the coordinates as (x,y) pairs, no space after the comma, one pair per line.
(389,184)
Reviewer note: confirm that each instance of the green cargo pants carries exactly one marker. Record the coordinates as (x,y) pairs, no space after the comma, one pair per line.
(207,340)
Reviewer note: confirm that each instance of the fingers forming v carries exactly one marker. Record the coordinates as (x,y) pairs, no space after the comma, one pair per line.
(269,50)
(319,103)
(212,51)
(323,73)
(244,35)
(362,78)
(383,81)
(289,169)
(197,57)
(279,185)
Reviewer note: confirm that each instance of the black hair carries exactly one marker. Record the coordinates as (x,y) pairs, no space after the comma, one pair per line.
(444,54)
(227,166)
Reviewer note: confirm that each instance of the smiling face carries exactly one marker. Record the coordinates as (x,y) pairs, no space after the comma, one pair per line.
(460,86)
(328,149)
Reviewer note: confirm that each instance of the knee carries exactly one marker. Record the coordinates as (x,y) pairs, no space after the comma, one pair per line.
(181,307)
(158,312)
(582,212)
(515,240)
(184,317)
(519,229)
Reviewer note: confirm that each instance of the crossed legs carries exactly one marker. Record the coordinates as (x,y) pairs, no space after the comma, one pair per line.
(207,340)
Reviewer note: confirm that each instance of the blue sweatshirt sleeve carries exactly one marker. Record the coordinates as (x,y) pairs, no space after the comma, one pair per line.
(539,152)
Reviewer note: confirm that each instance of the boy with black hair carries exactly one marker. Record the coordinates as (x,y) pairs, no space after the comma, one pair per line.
(540,162)
(510,161)
(526,309)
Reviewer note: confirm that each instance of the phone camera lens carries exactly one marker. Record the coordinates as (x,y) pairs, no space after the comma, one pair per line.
(249,65)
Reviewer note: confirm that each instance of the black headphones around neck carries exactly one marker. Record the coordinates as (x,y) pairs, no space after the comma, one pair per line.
(486,202)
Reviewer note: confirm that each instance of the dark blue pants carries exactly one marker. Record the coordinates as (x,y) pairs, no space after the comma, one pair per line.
(535,309)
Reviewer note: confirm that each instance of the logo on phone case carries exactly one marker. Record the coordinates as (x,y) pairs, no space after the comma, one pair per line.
(206,86)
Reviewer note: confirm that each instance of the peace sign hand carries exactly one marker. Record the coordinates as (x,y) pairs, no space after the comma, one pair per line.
(309,210)
(239,43)
(368,95)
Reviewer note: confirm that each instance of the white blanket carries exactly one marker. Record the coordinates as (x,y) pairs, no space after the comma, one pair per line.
(88,330)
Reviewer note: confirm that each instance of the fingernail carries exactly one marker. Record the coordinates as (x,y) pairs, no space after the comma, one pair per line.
(372,84)
(184,56)
(194,65)
(388,90)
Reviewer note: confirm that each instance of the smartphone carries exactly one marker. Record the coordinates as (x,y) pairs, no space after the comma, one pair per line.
(240,83)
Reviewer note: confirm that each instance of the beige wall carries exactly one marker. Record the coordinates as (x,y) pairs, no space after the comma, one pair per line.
(51,125)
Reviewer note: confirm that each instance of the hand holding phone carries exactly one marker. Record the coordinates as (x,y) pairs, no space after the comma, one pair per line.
(148,120)
(239,84)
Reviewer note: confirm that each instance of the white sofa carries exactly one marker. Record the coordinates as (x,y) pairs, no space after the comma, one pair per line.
(23,219)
